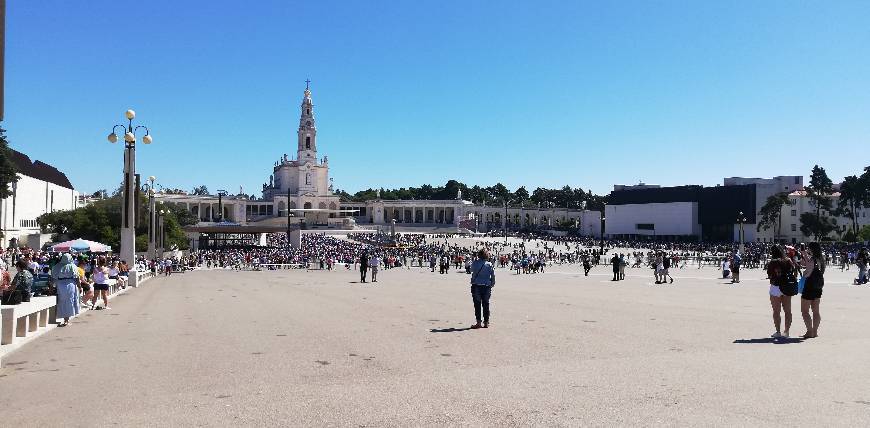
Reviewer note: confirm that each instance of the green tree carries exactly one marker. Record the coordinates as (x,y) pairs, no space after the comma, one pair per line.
(853,197)
(500,192)
(819,191)
(101,222)
(8,173)
(200,191)
(522,194)
(816,226)
(864,233)
(771,212)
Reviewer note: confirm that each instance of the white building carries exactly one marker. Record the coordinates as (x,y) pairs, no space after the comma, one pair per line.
(799,204)
(301,184)
(693,212)
(41,189)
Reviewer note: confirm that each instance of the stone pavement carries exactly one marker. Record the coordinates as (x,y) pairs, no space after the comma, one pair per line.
(296,348)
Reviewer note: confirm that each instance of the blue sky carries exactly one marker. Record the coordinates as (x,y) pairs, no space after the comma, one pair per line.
(526,93)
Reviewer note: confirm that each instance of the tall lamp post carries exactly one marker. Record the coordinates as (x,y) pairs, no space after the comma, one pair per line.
(151,189)
(741,219)
(504,221)
(603,211)
(128,213)
(221,194)
(160,232)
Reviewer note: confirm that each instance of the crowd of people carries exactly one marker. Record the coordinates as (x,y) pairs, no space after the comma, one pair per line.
(82,279)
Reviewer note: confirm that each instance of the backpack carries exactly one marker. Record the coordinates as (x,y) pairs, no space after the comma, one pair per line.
(787,282)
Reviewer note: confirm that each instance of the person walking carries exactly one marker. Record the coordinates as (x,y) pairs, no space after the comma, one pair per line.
(587,265)
(666,269)
(363,267)
(66,281)
(814,272)
(482,281)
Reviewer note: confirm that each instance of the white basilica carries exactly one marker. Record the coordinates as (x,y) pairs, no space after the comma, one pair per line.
(303,183)
(300,191)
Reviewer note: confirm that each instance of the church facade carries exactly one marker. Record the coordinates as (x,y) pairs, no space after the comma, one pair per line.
(302,189)
(301,186)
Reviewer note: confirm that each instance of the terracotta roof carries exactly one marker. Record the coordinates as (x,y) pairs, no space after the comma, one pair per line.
(39,170)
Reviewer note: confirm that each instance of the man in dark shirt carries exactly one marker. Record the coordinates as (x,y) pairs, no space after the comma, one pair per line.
(363,266)
(615,262)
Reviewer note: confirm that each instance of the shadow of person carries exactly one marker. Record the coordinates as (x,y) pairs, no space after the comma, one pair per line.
(779,341)
(448,330)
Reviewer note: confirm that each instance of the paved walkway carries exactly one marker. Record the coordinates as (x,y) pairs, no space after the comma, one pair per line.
(299,348)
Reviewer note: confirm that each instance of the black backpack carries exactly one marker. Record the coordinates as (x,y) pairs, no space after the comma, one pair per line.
(788,283)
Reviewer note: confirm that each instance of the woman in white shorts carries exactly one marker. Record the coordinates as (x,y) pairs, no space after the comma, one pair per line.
(777,268)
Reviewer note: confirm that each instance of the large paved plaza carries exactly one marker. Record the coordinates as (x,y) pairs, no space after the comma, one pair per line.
(296,348)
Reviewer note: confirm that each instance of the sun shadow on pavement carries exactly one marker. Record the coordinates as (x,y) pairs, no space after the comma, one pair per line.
(448,330)
(781,341)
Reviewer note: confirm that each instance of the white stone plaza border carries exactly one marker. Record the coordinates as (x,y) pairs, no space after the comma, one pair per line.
(23,323)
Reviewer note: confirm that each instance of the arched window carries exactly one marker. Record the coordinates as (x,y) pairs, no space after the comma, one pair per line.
(308,112)
(307,123)
(307,142)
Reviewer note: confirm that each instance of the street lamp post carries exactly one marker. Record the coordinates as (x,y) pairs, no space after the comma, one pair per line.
(221,194)
(128,212)
(741,219)
(151,189)
(288,215)
(504,222)
(161,235)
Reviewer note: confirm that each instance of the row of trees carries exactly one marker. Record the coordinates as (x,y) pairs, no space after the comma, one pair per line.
(854,196)
(496,194)
(101,222)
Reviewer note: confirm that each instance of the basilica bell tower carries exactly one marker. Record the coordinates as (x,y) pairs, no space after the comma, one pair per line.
(307,147)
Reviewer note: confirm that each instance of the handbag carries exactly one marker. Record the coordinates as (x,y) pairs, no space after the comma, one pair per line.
(801,284)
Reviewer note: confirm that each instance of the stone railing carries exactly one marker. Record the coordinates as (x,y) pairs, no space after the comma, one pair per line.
(23,322)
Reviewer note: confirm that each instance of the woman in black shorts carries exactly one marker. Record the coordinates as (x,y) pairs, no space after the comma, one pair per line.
(814,263)
(101,284)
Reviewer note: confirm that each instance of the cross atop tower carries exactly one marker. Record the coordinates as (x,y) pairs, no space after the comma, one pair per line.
(307,81)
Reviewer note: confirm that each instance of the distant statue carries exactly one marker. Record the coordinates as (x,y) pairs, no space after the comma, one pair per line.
(285,157)
(326,159)
(271,180)
(378,194)
(330,184)
(459,194)
(264,186)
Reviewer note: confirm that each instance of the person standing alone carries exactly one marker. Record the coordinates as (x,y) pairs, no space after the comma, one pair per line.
(482,281)
(363,267)
(374,263)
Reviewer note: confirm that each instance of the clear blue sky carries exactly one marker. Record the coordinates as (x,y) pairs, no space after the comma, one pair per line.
(527,93)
